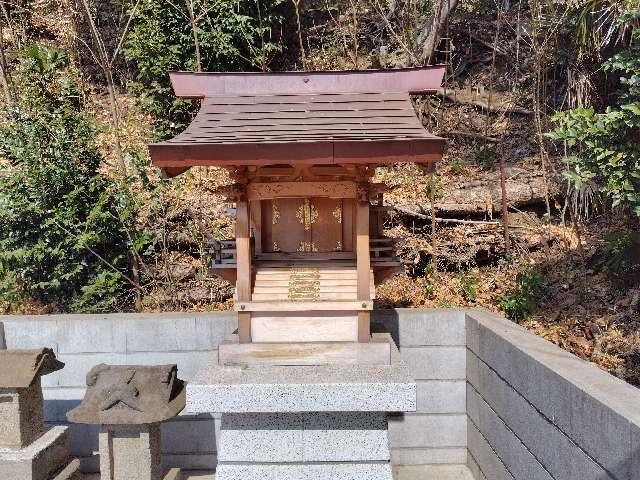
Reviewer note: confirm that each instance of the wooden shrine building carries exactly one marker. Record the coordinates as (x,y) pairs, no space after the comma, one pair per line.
(302,149)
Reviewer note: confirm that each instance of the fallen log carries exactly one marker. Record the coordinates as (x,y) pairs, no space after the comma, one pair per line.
(461,99)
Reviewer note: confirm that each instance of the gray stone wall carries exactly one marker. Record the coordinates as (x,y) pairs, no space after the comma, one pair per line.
(538,412)
(490,394)
(432,343)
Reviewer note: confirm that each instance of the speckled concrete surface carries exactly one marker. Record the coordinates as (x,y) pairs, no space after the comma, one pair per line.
(435,472)
(322,388)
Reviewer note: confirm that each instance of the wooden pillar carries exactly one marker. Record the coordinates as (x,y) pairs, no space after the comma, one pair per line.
(243,266)
(362,251)
(363,263)
(243,252)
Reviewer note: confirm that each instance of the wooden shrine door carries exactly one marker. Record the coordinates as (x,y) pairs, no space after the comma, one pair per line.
(306,225)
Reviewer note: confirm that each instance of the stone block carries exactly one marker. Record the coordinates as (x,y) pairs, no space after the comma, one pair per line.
(428,456)
(562,455)
(188,436)
(261,438)
(77,366)
(512,452)
(441,396)
(418,327)
(40,460)
(326,471)
(309,437)
(88,334)
(435,363)
(168,332)
(70,472)
(345,437)
(434,431)
(58,401)
(190,461)
(21,417)
(189,363)
(324,388)
(432,472)
(131,452)
(565,389)
(31,332)
(375,352)
(481,453)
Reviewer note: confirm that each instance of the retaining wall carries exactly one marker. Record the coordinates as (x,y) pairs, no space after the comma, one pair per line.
(538,412)
(432,344)
(491,395)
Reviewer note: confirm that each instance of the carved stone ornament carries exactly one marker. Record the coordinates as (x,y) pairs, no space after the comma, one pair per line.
(19,368)
(130,395)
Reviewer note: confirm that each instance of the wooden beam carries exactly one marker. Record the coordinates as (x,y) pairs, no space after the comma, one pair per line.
(364,326)
(244,327)
(363,261)
(243,252)
(271,190)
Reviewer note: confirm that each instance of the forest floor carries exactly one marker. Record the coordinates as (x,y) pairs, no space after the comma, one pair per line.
(485,114)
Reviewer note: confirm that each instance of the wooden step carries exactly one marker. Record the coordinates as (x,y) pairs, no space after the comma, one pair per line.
(301,306)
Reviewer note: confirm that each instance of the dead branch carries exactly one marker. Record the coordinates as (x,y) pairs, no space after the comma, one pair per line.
(448,95)
(473,135)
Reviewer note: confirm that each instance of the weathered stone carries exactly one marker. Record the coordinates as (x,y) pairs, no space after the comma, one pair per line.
(130,395)
(21,415)
(19,368)
(129,402)
(131,452)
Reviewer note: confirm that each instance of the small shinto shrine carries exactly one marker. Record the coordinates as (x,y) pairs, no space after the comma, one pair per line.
(302,149)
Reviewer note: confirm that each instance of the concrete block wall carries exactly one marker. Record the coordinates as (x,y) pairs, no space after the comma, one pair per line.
(491,395)
(82,341)
(538,412)
(432,343)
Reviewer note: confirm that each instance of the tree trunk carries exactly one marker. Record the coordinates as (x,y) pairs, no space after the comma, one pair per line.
(431,32)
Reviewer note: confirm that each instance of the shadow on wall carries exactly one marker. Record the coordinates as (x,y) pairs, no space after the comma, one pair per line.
(188,441)
(386,321)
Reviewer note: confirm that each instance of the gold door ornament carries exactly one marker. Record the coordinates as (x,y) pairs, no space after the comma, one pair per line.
(304,284)
(307,214)
(337,213)
(275,213)
(307,247)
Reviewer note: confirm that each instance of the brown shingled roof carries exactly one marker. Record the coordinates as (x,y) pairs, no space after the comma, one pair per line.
(308,123)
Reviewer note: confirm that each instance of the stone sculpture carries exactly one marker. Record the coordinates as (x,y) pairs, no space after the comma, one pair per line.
(28,449)
(129,402)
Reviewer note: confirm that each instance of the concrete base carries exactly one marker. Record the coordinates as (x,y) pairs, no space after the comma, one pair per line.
(295,389)
(341,445)
(133,452)
(44,459)
(375,352)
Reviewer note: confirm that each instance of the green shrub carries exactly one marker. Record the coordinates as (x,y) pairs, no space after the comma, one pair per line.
(621,253)
(60,242)
(603,148)
(520,303)
(468,286)
(486,156)
(232,36)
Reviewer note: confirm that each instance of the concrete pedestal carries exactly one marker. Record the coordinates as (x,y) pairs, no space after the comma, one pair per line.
(132,452)
(44,459)
(21,415)
(325,422)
